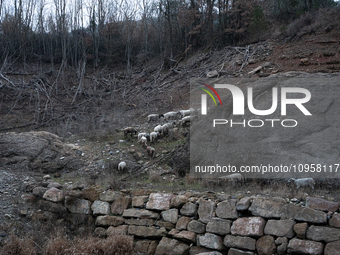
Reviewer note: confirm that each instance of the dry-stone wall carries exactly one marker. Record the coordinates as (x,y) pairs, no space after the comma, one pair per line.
(197,223)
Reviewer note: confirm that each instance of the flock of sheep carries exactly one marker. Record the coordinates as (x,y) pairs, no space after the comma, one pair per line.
(158,131)
(185,117)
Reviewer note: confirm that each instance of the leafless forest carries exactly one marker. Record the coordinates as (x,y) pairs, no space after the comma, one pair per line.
(67,60)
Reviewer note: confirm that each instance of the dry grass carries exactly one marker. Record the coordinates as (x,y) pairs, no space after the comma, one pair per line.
(19,246)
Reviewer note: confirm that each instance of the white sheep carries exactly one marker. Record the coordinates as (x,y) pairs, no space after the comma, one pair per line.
(165,128)
(303,182)
(140,135)
(184,113)
(121,166)
(185,120)
(234,177)
(172,115)
(143,140)
(153,136)
(154,117)
(158,129)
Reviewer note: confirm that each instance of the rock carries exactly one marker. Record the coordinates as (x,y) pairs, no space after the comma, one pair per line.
(212,74)
(108,220)
(233,251)
(54,195)
(74,193)
(142,214)
(281,240)
(189,209)
(300,230)
(170,215)
(335,220)
(52,207)
(227,209)
(332,248)
(266,245)
(38,150)
(184,235)
(109,196)
(280,228)
(248,226)
(178,201)
(196,227)
(28,198)
(195,250)
(100,232)
(146,247)
(282,249)
(39,191)
(120,204)
(56,185)
(218,226)
(147,232)
(305,247)
(171,246)
(210,241)
(321,204)
(324,234)
(91,193)
(164,224)
(139,222)
(243,204)
(240,242)
(206,209)
(310,215)
(76,205)
(120,230)
(268,207)
(182,223)
(100,208)
(139,201)
(159,201)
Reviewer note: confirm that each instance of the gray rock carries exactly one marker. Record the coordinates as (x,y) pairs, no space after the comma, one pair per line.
(139,201)
(100,232)
(189,209)
(182,223)
(143,214)
(170,215)
(120,204)
(107,220)
(139,222)
(240,242)
(324,234)
(196,227)
(280,228)
(109,196)
(248,226)
(300,230)
(184,235)
(268,207)
(321,204)
(164,224)
(159,201)
(206,209)
(219,226)
(227,209)
(210,241)
(100,208)
(120,230)
(305,247)
(335,220)
(39,191)
(52,207)
(146,246)
(265,245)
(332,248)
(76,205)
(54,195)
(171,246)
(243,204)
(178,201)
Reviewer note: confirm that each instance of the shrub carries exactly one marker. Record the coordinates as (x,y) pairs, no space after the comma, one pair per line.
(18,246)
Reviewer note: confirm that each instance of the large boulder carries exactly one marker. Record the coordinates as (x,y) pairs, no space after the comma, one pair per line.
(38,151)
